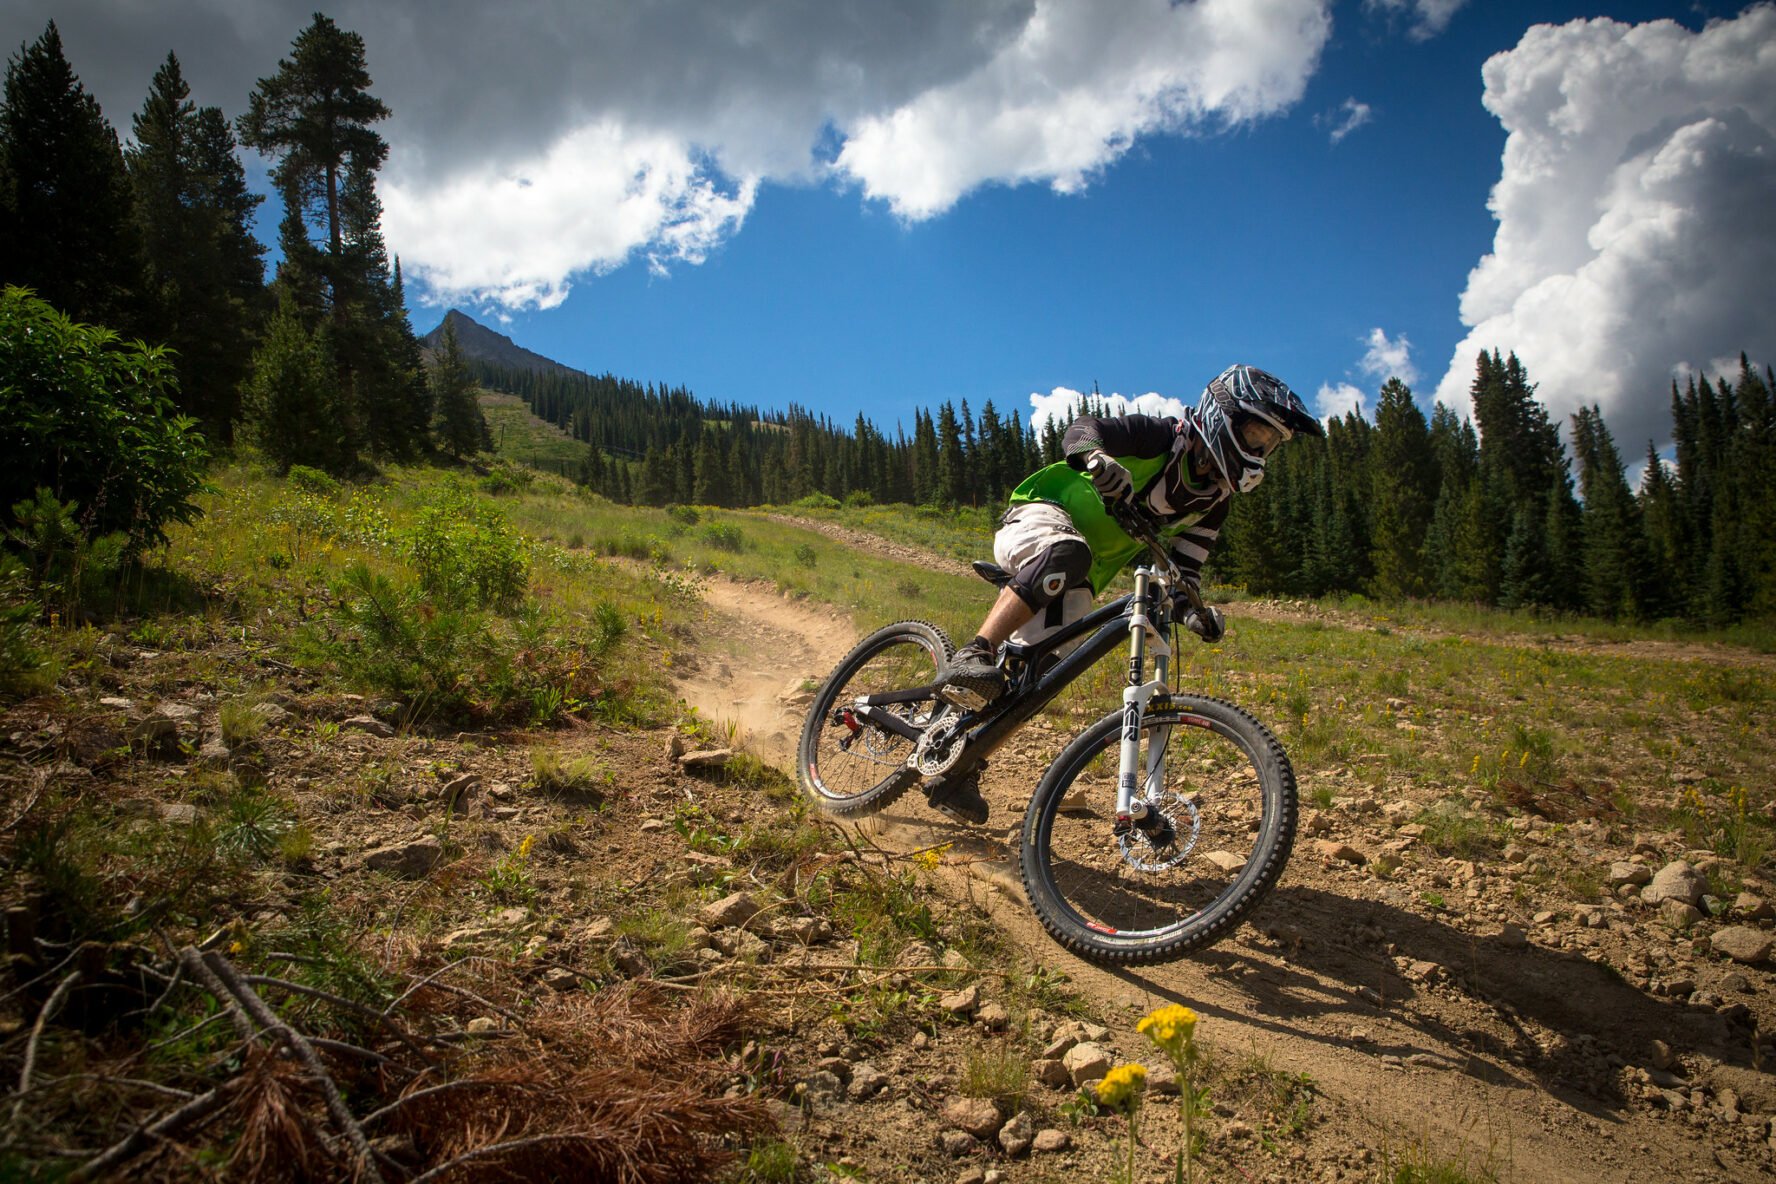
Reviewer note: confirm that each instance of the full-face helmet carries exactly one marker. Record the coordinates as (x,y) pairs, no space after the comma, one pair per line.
(1244,414)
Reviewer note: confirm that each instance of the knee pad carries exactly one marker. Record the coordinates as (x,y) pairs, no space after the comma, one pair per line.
(1054,569)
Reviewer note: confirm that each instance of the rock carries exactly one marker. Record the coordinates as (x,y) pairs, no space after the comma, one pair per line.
(456,792)
(1742,943)
(1622,872)
(1050,1072)
(706,758)
(1227,861)
(559,978)
(652,826)
(177,813)
(972,1176)
(736,909)
(407,860)
(1065,1037)
(1315,823)
(1512,938)
(157,733)
(482,1024)
(992,1016)
(805,931)
(214,754)
(1679,914)
(957,1143)
(821,1086)
(1659,1055)
(1086,1063)
(961,1002)
(1162,1079)
(1735,982)
(1051,1140)
(866,1081)
(179,713)
(1336,852)
(274,714)
(1385,865)
(978,1116)
(1420,971)
(1016,1136)
(368,724)
(117,703)
(675,746)
(1748,904)
(1677,880)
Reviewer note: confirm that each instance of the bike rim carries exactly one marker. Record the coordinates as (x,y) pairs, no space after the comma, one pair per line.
(847,757)
(1136,890)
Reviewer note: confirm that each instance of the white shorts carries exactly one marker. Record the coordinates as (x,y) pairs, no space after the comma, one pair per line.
(1027,530)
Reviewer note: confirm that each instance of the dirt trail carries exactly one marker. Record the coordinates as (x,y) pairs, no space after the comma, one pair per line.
(1524,1051)
(756,651)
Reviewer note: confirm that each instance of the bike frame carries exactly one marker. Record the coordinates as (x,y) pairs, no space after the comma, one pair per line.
(1143,617)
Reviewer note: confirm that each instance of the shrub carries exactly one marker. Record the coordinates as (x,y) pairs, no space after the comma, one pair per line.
(685,515)
(19,658)
(805,555)
(467,555)
(68,569)
(724,536)
(91,419)
(311,480)
(816,501)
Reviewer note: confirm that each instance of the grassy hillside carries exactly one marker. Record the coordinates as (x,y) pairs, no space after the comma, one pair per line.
(401,747)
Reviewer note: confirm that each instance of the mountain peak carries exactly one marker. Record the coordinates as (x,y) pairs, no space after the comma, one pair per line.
(479,342)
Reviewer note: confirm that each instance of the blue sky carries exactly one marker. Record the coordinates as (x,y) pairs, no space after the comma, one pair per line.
(871,207)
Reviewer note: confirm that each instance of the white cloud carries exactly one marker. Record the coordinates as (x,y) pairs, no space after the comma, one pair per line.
(536,140)
(1334,401)
(1428,17)
(1385,358)
(1061,403)
(1345,118)
(599,196)
(1635,235)
(1077,86)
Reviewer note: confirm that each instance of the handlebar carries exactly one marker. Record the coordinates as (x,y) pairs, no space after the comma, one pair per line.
(1141,527)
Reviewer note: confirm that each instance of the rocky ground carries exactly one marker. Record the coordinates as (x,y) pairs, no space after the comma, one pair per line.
(1580,1005)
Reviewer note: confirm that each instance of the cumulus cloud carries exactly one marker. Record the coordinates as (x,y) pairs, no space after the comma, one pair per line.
(1634,213)
(1345,118)
(1334,401)
(1388,358)
(1426,18)
(1061,403)
(1076,86)
(541,139)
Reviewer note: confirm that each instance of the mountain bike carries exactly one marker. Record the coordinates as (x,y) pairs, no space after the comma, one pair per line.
(1154,832)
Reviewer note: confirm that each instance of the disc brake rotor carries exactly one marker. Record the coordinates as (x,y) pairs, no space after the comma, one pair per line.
(1183,821)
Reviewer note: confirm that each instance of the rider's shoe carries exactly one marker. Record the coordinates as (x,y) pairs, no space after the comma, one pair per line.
(960,800)
(973,678)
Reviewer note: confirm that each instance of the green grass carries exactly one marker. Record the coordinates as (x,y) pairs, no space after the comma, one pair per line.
(521,437)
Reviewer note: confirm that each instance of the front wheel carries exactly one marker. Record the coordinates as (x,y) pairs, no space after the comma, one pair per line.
(1220,797)
(853,761)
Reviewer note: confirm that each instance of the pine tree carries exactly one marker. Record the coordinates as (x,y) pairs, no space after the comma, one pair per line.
(292,400)
(1402,492)
(205,277)
(460,423)
(315,117)
(66,229)
(1614,546)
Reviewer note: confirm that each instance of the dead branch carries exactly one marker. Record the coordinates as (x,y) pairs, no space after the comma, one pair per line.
(408,993)
(465,993)
(305,1052)
(128,1148)
(510,1145)
(194,963)
(54,1004)
(448,1087)
(351,1005)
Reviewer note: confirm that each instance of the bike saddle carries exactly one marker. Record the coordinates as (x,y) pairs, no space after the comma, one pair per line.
(992,573)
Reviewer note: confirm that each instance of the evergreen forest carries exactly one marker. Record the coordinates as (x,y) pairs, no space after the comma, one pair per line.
(150,240)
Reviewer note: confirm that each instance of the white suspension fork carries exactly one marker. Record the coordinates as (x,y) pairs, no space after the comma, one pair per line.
(1135,697)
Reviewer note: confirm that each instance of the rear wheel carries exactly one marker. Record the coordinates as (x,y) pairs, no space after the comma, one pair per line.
(850,763)
(1220,825)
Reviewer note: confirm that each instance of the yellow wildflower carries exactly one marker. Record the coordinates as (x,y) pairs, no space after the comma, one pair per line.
(1171,1028)
(1122,1086)
(525,845)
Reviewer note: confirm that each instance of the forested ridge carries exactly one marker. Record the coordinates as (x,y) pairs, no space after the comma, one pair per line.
(321,368)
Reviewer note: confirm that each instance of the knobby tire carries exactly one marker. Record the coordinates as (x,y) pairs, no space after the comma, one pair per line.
(1239,779)
(843,781)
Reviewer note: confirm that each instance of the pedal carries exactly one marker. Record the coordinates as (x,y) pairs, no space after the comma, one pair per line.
(957,695)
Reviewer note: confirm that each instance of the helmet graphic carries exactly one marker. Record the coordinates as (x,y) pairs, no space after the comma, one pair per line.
(1244,414)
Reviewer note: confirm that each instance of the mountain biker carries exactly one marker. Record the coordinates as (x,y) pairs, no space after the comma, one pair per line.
(1061,546)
